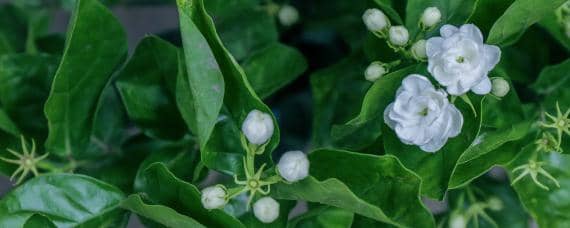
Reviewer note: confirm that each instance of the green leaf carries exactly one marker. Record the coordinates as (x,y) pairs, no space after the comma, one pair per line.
(13,29)
(518,17)
(203,49)
(436,169)
(379,187)
(7,125)
(337,95)
(366,127)
(68,200)
(158,213)
(556,29)
(243,26)
(147,85)
(325,217)
(38,220)
(24,87)
(490,148)
(273,67)
(548,208)
(553,79)
(162,187)
(95,45)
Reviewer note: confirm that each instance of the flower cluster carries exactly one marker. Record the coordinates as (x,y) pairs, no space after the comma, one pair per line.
(257,129)
(458,60)
(470,209)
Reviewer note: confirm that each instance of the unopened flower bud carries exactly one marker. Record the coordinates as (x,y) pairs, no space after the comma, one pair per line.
(457,220)
(495,204)
(288,15)
(500,87)
(374,71)
(430,17)
(375,20)
(214,197)
(257,127)
(266,209)
(399,35)
(293,166)
(419,50)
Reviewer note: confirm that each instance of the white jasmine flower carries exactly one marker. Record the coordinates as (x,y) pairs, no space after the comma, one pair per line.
(293,166)
(257,127)
(419,50)
(288,15)
(399,35)
(422,115)
(430,17)
(500,87)
(457,220)
(374,71)
(266,209)
(460,60)
(214,197)
(375,20)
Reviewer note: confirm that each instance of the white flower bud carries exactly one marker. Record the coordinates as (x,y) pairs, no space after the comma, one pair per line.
(213,197)
(257,127)
(419,50)
(266,209)
(457,220)
(495,204)
(399,35)
(375,20)
(500,87)
(374,71)
(288,15)
(293,166)
(430,17)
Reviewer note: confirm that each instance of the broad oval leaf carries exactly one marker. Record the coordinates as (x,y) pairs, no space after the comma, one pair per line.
(518,17)
(158,213)
(96,44)
(147,85)
(68,200)
(199,35)
(162,187)
(323,216)
(379,187)
(455,12)
(273,67)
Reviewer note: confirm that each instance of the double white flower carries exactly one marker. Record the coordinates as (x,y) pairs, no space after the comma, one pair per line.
(266,209)
(257,127)
(422,115)
(213,197)
(460,60)
(293,166)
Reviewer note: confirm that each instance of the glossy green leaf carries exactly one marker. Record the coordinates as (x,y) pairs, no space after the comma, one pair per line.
(366,127)
(324,217)
(491,147)
(553,78)
(239,98)
(548,208)
(7,125)
(38,220)
(24,87)
(556,29)
(147,85)
(379,187)
(243,26)
(68,200)
(162,187)
(337,96)
(518,17)
(95,45)
(436,168)
(273,67)
(158,213)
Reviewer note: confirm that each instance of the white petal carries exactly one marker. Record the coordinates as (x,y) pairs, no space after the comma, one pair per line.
(484,87)
(433,46)
(391,123)
(456,121)
(434,145)
(416,83)
(492,56)
(472,32)
(456,89)
(448,30)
